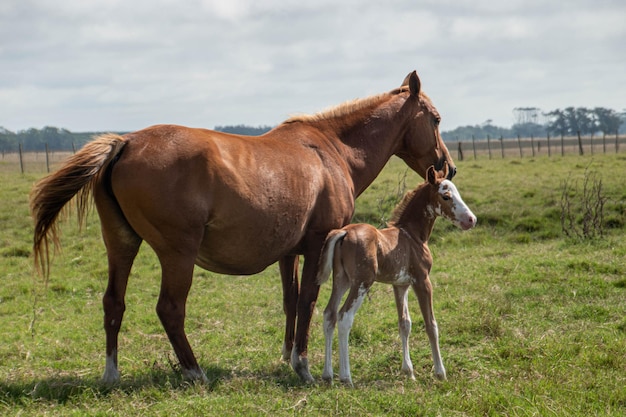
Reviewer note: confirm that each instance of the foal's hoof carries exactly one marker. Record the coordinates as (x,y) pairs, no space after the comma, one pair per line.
(347,382)
(441,376)
(328,379)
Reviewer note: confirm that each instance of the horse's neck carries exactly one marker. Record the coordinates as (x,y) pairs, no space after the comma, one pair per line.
(367,147)
(417,218)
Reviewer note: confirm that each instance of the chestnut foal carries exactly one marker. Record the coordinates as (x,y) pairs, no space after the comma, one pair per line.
(360,254)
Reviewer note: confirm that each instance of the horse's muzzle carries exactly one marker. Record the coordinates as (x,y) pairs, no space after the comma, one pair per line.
(451,171)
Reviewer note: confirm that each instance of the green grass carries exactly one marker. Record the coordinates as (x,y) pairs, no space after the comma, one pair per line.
(531,323)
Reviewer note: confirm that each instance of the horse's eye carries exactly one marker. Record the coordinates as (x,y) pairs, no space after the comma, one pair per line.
(446,197)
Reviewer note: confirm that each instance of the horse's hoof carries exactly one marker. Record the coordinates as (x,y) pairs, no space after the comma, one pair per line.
(195,375)
(301,366)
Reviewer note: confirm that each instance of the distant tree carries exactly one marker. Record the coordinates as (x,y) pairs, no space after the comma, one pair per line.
(464,133)
(8,140)
(607,121)
(579,119)
(556,124)
(529,129)
(244,130)
(528,116)
(571,121)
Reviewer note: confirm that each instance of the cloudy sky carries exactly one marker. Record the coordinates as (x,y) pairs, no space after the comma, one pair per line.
(126,64)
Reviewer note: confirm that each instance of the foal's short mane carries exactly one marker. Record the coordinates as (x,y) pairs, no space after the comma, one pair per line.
(402,205)
(354,106)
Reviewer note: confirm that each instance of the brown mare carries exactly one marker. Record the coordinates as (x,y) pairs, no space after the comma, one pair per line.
(360,254)
(234,204)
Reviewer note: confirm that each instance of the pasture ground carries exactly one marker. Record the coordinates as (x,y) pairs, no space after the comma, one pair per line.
(531,322)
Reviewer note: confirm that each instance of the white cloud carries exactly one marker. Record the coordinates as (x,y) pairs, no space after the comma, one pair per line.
(123,65)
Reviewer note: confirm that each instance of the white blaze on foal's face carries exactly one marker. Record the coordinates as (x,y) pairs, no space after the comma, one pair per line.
(453,208)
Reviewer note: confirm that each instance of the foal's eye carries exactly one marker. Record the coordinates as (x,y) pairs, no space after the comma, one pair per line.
(446,197)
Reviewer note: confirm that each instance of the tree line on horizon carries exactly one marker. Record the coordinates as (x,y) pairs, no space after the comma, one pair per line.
(530,121)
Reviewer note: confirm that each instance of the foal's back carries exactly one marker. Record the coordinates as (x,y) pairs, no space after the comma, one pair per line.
(387,255)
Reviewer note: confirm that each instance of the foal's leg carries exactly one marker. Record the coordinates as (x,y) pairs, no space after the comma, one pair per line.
(176,280)
(291,288)
(354,300)
(401,294)
(424,291)
(340,286)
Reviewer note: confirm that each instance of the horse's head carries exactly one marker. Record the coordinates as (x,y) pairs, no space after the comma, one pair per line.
(422,145)
(447,201)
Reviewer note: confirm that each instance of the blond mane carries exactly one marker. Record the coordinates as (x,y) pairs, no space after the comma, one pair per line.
(346,108)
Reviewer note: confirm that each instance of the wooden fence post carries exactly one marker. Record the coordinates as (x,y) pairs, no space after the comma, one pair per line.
(519,143)
(474,146)
(580,144)
(47,159)
(460,150)
(489,145)
(532,144)
(549,152)
(21,161)
(562,145)
(502,146)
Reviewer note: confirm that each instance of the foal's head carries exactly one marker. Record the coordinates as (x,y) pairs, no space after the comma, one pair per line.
(446,200)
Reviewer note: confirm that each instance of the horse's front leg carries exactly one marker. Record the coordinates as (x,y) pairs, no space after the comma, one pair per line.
(291,288)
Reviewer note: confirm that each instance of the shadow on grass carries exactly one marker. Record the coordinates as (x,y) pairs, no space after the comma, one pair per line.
(63,389)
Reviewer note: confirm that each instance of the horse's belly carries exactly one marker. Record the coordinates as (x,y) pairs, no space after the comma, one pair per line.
(244,252)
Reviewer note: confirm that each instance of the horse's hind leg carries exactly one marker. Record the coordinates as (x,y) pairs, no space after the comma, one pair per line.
(122,244)
(291,288)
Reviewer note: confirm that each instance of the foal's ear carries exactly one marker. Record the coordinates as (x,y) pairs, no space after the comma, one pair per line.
(445,170)
(413,81)
(431,175)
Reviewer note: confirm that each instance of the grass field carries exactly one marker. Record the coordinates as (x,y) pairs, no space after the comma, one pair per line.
(531,323)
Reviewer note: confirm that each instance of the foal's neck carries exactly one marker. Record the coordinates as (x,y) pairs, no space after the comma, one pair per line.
(418,217)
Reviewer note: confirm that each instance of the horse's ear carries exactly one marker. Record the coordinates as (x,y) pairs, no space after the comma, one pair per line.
(431,175)
(413,81)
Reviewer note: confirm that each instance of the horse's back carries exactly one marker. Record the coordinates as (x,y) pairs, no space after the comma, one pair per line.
(241,202)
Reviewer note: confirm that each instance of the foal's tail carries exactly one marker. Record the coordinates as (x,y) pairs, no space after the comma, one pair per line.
(328,254)
(77,176)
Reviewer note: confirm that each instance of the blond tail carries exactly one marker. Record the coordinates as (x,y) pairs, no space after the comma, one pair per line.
(75,178)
